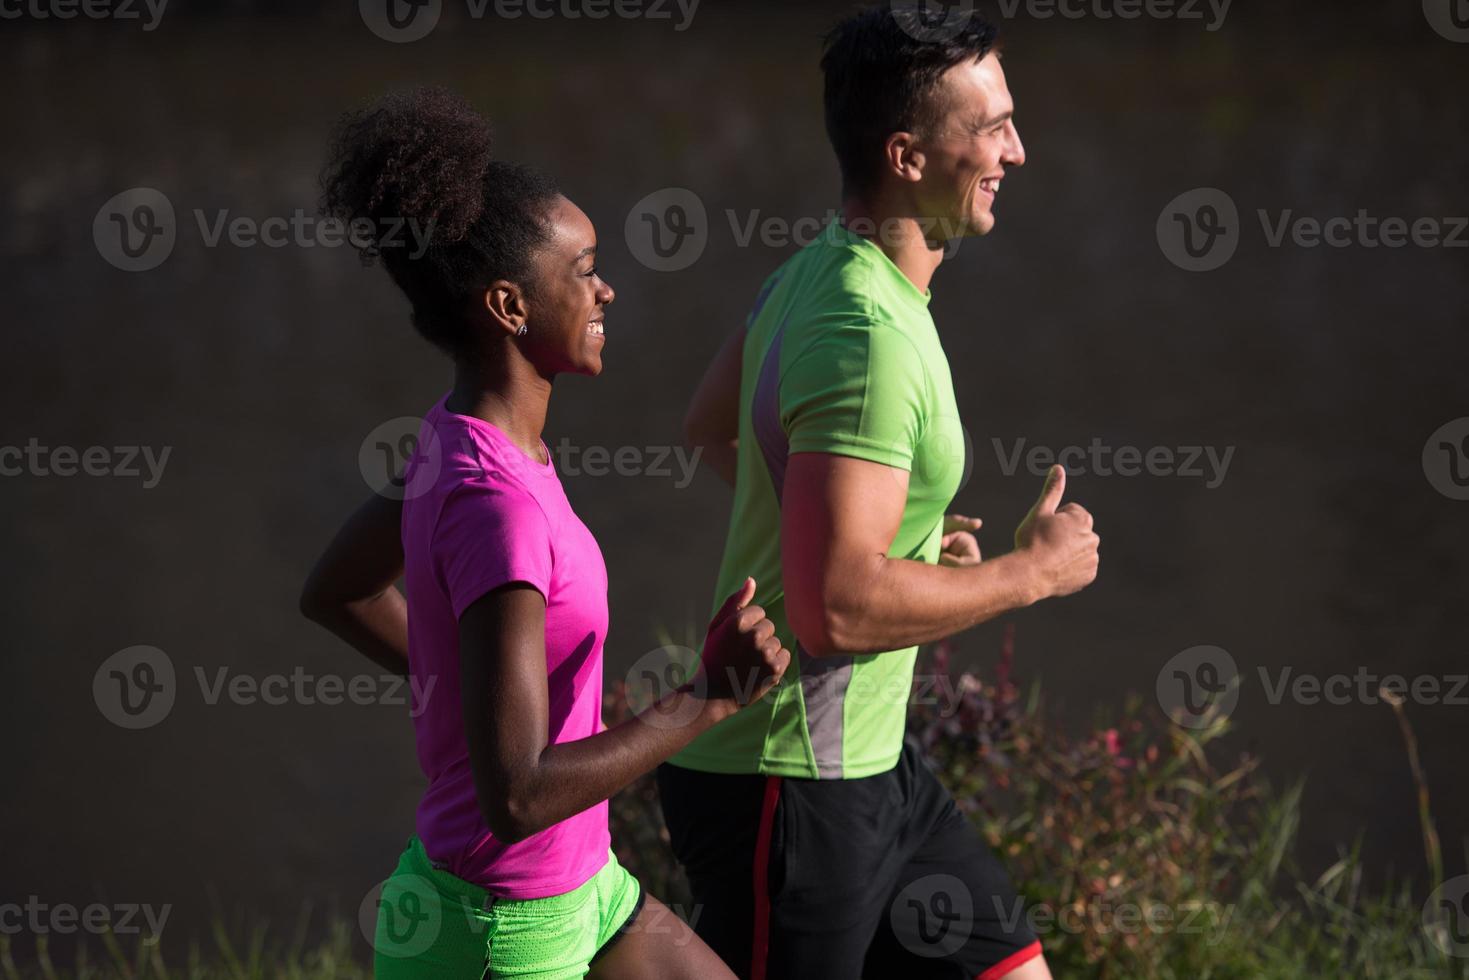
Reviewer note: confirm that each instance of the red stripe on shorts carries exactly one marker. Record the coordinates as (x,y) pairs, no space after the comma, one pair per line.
(1014,960)
(760,950)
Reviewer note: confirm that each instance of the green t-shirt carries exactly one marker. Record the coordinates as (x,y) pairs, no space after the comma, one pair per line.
(841,356)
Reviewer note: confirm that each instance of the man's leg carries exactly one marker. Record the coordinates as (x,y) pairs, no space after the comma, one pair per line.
(713,823)
(953,912)
(790,877)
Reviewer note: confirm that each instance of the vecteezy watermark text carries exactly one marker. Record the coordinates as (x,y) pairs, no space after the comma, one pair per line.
(1100,916)
(1208,463)
(650,461)
(669,229)
(404,21)
(1202,686)
(661,672)
(137,230)
(1181,10)
(941,20)
(34,459)
(1199,230)
(90,9)
(303,688)
(40,918)
(136,688)
(1363,687)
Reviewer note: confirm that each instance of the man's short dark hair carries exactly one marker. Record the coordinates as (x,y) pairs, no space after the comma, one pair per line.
(882,65)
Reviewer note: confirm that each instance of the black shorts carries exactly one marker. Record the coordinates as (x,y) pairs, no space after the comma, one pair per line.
(841,879)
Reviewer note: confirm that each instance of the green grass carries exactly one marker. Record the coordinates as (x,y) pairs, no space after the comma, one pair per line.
(1138,816)
(258,958)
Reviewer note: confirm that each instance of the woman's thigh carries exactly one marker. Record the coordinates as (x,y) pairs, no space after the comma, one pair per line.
(659,946)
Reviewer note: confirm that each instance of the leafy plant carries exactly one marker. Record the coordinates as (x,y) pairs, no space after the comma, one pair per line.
(1143,849)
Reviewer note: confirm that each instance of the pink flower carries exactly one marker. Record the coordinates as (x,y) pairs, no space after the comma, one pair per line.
(1114,748)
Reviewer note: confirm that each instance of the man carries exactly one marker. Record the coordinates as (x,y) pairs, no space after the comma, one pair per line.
(817,844)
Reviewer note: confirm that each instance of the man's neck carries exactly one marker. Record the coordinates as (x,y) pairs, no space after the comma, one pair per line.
(899,235)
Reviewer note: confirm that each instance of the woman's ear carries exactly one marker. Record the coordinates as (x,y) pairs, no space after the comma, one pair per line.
(505,302)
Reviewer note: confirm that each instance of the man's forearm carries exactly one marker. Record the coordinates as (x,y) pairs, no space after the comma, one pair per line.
(894,603)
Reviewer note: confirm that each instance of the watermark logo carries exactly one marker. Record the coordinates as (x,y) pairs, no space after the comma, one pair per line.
(122,462)
(1199,686)
(933,20)
(1446,916)
(1450,18)
(1446,459)
(1207,463)
(387,451)
(942,457)
(401,21)
(90,9)
(135,688)
(303,688)
(668,230)
(1363,687)
(946,456)
(1199,230)
(933,916)
(673,920)
(1100,916)
(659,673)
(401,917)
(1180,10)
(40,918)
(135,231)
(657,462)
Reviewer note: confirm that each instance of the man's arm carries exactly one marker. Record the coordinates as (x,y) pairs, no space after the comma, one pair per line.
(839,516)
(712,425)
(352,590)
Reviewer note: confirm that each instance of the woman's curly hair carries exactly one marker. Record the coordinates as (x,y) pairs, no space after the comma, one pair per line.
(414,170)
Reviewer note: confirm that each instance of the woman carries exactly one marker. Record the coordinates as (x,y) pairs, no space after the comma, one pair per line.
(510,874)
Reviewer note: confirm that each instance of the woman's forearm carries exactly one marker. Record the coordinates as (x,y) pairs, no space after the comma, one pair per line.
(569,777)
(377,627)
(352,589)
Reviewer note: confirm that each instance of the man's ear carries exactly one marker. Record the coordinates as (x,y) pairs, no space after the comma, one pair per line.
(505,302)
(903,158)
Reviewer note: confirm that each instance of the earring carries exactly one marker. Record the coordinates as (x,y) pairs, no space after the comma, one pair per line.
(522,331)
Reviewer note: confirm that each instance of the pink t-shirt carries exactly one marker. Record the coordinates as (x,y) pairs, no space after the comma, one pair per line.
(478,513)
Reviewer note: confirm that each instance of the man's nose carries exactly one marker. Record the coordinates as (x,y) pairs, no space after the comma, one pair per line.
(1014,154)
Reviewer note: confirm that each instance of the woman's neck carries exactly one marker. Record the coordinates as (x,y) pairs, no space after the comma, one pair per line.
(507,393)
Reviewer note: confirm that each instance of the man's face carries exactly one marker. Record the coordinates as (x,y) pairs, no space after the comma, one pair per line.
(968,149)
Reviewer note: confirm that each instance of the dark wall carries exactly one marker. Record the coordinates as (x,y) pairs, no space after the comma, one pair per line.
(1326,547)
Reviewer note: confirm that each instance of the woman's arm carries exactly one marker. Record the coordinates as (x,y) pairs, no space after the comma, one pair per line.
(712,425)
(525,785)
(352,590)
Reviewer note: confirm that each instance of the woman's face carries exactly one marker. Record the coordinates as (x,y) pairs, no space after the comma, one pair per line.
(567,304)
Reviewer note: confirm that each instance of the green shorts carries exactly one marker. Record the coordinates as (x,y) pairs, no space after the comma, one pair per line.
(432,924)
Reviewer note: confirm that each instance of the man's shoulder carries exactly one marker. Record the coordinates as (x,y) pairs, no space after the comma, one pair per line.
(831,295)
